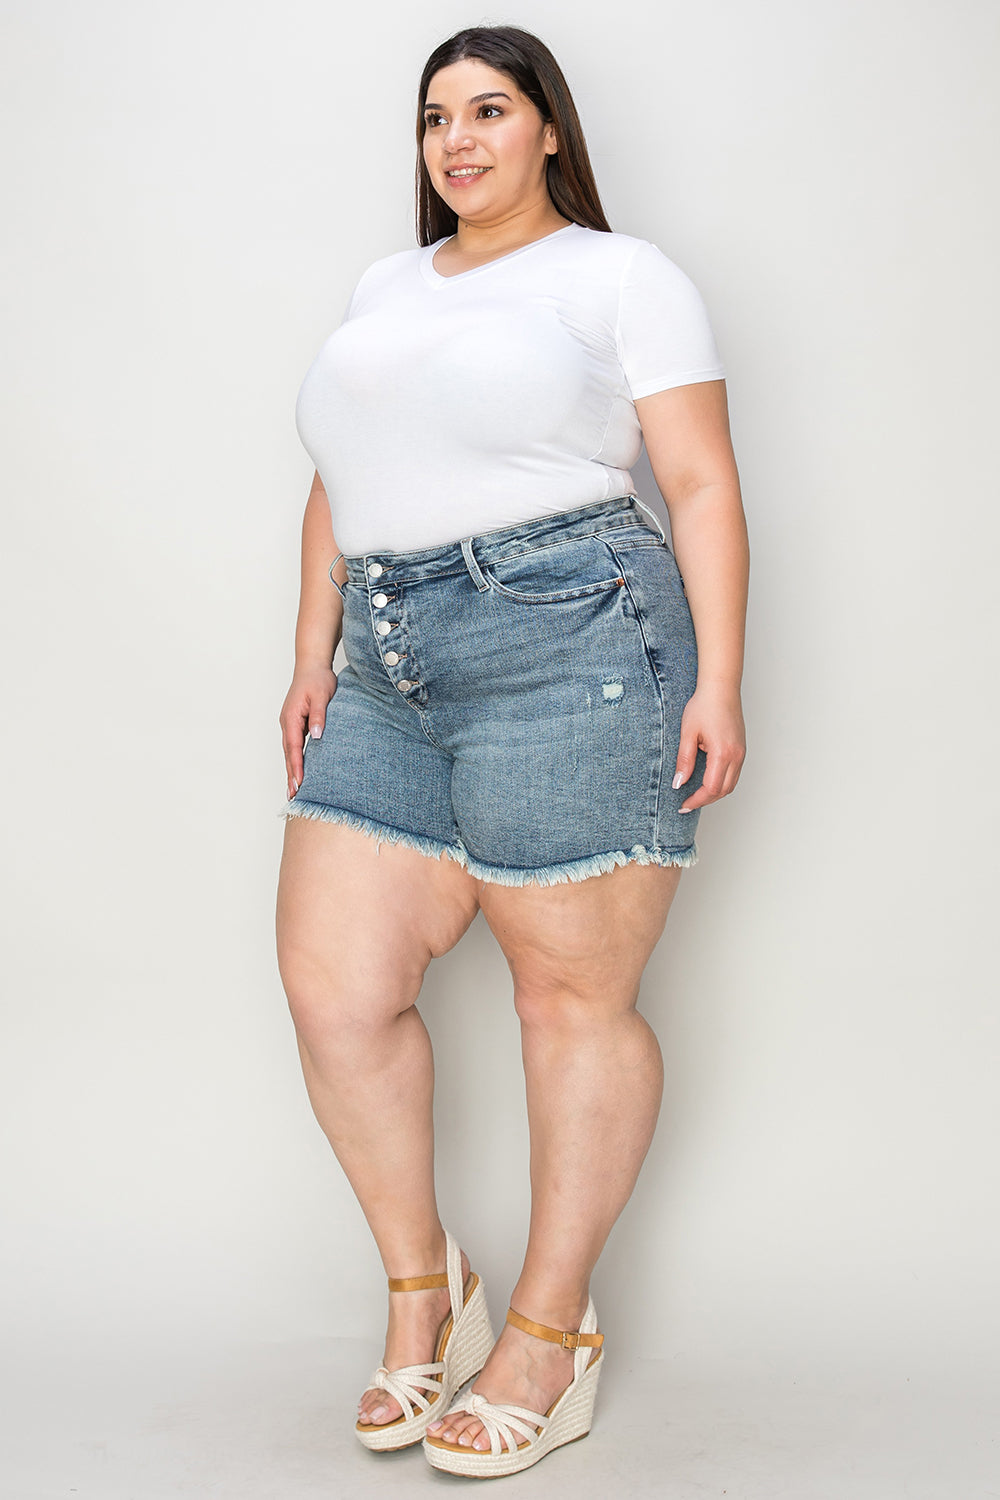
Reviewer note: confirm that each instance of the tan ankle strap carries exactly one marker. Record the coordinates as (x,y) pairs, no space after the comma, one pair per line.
(555,1335)
(417,1283)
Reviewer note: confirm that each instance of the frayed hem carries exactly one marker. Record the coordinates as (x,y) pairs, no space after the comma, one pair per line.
(567,871)
(380,832)
(581,869)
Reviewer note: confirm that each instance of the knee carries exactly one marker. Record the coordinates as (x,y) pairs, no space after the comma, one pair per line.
(332,1002)
(568,1004)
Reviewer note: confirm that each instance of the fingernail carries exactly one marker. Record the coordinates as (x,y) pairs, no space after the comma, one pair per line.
(316,731)
(685,809)
(678,781)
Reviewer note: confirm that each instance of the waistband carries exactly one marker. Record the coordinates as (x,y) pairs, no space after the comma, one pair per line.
(506,541)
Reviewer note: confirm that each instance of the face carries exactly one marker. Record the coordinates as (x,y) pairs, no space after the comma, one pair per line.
(485,145)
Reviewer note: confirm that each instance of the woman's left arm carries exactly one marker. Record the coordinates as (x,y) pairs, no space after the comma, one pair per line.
(686,431)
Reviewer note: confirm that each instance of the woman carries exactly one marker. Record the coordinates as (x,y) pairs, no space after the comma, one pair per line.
(534,712)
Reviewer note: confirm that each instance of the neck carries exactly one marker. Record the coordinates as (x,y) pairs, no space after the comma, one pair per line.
(510,232)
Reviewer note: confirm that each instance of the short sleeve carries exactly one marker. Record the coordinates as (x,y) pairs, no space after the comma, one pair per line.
(664,335)
(379,274)
(355,298)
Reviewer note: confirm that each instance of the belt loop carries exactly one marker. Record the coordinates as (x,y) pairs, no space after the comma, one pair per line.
(473,566)
(333,580)
(655,518)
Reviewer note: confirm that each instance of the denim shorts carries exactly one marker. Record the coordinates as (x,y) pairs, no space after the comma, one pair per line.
(513,700)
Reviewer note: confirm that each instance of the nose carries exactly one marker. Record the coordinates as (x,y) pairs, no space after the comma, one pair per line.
(458,137)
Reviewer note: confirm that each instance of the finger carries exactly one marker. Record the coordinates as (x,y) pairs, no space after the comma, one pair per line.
(714,787)
(687,755)
(293,765)
(732,777)
(293,738)
(733,758)
(713,781)
(316,712)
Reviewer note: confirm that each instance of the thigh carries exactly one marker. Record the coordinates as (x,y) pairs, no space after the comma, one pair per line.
(358,921)
(564,762)
(591,938)
(374,764)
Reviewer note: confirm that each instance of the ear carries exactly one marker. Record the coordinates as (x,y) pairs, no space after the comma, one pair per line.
(550,140)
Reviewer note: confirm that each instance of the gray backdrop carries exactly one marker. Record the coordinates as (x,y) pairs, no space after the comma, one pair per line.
(191,194)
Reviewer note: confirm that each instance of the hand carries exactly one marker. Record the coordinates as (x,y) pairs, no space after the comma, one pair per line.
(304,712)
(712,721)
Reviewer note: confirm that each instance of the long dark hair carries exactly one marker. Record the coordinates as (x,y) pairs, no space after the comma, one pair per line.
(531,66)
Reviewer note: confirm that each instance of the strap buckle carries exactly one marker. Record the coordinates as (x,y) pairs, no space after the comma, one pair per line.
(571,1340)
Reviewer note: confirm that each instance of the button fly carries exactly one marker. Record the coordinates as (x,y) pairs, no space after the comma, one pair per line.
(375,570)
(405,685)
(379,600)
(383,627)
(391,658)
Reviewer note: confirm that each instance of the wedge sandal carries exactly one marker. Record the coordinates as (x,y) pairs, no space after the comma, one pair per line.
(464,1341)
(519,1437)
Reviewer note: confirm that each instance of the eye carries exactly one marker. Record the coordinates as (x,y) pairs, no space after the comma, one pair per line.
(432,117)
(494,107)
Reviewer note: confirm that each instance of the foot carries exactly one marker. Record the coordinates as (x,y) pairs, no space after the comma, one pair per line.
(415,1320)
(521,1371)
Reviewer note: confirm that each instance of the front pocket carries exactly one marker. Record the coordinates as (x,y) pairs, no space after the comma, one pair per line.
(550,574)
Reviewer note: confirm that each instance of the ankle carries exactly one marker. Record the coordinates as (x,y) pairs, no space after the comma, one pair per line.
(550,1306)
(426,1256)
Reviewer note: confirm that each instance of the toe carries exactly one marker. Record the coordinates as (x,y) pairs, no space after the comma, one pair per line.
(456,1425)
(377,1408)
(479,1436)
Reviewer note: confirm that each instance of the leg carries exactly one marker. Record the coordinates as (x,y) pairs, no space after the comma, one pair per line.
(594,1079)
(357,925)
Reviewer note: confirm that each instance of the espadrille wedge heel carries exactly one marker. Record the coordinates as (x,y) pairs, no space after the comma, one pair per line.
(464,1341)
(519,1437)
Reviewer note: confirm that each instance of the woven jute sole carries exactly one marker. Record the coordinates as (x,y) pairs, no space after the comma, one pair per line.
(468,1348)
(570,1420)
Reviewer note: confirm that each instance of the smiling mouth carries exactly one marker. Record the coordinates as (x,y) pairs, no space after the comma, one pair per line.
(462,173)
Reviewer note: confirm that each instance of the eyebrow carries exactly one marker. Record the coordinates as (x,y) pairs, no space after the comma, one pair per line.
(476,99)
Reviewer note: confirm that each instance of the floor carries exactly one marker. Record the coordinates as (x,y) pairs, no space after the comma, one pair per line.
(273,1422)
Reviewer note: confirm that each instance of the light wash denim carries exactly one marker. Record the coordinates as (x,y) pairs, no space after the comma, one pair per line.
(514,700)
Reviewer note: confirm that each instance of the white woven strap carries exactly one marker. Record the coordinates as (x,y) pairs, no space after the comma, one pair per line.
(404,1385)
(501,1422)
(456,1286)
(583,1356)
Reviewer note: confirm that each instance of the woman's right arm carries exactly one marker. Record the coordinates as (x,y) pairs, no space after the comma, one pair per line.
(317,635)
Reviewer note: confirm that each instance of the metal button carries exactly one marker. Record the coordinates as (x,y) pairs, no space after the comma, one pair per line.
(405,685)
(383,627)
(379,599)
(391,658)
(374,570)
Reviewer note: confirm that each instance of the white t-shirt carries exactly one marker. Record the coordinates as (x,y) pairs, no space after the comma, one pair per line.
(444,406)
